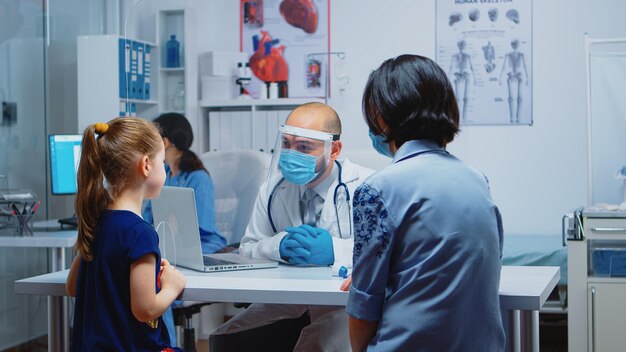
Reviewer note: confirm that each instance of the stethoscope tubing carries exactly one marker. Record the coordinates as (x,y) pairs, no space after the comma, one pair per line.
(340,184)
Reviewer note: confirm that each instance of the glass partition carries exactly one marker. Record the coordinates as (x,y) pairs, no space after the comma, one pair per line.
(607,122)
(38,89)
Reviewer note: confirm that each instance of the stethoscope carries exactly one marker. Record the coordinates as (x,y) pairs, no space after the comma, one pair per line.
(340,184)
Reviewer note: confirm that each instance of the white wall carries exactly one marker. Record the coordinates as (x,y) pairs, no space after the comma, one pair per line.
(537,173)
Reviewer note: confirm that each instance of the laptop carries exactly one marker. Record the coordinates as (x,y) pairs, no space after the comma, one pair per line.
(176,222)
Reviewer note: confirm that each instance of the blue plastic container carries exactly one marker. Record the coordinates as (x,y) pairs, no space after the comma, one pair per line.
(609,262)
(173,52)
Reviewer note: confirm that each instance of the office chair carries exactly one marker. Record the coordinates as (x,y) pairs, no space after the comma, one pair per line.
(237,176)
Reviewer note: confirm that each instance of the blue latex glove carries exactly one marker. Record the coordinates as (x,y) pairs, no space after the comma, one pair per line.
(317,241)
(295,248)
(305,230)
(322,252)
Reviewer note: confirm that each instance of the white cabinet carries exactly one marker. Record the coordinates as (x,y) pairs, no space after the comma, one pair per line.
(102,90)
(597,283)
(606,316)
(245,123)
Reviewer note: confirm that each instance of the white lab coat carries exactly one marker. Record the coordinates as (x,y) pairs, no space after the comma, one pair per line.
(260,241)
(329,325)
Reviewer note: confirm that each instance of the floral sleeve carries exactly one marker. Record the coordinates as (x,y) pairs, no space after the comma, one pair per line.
(373,243)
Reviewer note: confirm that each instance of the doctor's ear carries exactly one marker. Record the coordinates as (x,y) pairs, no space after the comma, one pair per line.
(335,150)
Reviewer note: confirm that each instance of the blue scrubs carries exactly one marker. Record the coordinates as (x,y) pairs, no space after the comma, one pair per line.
(204,192)
(103,320)
(428,243)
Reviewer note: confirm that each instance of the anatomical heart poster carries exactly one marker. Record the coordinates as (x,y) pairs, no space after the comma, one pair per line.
(485,46)
(287,42)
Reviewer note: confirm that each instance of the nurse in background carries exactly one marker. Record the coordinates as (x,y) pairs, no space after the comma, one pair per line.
(183,168)
(428,237)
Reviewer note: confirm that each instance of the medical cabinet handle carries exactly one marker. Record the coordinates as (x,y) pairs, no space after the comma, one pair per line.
(593,319)
(608,229)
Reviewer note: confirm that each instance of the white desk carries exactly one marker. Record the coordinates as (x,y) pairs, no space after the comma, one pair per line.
(56,242)
(522,288)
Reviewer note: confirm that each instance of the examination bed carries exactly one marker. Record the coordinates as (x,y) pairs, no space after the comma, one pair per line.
(538,250)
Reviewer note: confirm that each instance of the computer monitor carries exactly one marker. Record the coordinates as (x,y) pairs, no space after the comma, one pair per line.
(64,158)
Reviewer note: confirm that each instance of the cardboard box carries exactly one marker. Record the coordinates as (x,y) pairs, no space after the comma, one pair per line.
(218,88)
(220,63)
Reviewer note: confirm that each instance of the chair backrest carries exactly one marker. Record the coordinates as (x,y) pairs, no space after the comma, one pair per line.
(237,176)
(367,157)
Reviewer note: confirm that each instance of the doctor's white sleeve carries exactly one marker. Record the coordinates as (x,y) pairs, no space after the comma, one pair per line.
(343,248)
(259,240)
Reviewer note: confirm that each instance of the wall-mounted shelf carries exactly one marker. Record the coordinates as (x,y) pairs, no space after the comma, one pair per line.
(174,84)
(144,102)
(281,102)
(246,123)
(172,69)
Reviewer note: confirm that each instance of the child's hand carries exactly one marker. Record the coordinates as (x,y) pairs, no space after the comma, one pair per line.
(345,286)
(164,263)
(172,279)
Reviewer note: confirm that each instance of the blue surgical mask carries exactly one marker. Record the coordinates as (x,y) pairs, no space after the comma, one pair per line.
(296,167)
(382,147)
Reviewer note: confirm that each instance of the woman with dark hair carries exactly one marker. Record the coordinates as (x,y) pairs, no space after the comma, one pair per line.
(428,237)
(184,169)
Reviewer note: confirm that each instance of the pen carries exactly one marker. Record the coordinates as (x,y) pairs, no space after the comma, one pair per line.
(35,207)
(15,210)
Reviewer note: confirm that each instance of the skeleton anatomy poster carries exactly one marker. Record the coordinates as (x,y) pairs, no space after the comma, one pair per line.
(485,46)
(287,42)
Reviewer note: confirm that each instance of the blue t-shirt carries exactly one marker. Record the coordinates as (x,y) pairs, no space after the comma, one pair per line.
(204,194)
(427,248)
(103,320)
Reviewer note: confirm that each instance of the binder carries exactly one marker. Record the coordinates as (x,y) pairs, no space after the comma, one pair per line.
(146,72)
(214,131)
(133,109)
(138,49)
(133,71)
(124,67)
(122,108)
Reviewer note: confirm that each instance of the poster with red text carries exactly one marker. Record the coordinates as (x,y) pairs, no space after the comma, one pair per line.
(287,42)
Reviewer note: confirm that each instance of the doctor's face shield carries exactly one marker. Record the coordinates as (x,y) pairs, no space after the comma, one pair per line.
(300,155)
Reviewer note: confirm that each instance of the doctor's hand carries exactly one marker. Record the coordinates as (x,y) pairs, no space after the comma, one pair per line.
(319,243)
(294,248)
(306,230)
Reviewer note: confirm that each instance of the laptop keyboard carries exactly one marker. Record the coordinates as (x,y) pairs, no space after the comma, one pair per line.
(208,261)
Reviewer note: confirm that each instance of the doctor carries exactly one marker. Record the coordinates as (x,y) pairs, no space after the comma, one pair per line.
(302,216)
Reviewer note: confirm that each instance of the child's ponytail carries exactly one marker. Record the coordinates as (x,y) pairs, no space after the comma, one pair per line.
(92,197)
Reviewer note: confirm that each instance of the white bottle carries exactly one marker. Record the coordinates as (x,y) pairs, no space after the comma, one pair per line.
(241,71)
(263,90)
(273,90)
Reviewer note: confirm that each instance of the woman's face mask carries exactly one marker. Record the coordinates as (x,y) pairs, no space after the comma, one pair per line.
(298,168)
(379,144)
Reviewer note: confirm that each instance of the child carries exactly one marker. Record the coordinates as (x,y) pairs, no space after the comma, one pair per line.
(121,284)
